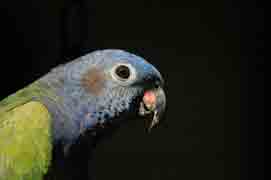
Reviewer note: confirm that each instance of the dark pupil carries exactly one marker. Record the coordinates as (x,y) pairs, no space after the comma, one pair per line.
(123,72)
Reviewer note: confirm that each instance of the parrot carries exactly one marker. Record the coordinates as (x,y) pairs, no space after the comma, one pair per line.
(86,98)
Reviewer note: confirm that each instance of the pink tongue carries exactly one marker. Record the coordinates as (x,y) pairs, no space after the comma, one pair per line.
(149,98)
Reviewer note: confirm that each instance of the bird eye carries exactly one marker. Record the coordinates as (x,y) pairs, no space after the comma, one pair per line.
(123,72)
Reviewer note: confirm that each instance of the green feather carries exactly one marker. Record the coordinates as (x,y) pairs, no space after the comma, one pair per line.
(25,137)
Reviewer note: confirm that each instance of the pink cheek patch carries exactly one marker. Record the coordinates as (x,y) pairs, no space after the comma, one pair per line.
(149,98)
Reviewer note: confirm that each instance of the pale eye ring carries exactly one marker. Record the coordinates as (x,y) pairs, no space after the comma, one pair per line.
(124,73)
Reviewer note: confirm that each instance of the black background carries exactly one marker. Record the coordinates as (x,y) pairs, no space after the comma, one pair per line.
(209,52)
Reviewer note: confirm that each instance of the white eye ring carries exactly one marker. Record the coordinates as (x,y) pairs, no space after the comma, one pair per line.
(123,73)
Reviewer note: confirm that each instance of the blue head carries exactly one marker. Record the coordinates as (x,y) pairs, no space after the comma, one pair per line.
(106,87)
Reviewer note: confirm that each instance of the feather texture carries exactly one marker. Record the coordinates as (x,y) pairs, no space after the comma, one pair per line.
(25,134)
(25,147)
(69,109)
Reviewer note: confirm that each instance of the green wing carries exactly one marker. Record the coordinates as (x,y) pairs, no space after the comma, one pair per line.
(25,142)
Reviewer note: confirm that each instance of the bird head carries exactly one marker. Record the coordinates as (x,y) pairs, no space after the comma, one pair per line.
(110,86)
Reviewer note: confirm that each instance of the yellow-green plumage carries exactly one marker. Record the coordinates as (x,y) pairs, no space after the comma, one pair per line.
(72,108)
(25,137)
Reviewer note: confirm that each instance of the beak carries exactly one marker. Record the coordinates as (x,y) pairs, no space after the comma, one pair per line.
(154,104)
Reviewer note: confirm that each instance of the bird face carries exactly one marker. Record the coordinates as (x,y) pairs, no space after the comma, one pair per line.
(141,81)
(116,83)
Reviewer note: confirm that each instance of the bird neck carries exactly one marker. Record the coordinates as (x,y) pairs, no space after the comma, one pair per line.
(64,128)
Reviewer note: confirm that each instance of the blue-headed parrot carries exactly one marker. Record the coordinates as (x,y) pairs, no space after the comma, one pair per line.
(91,95)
